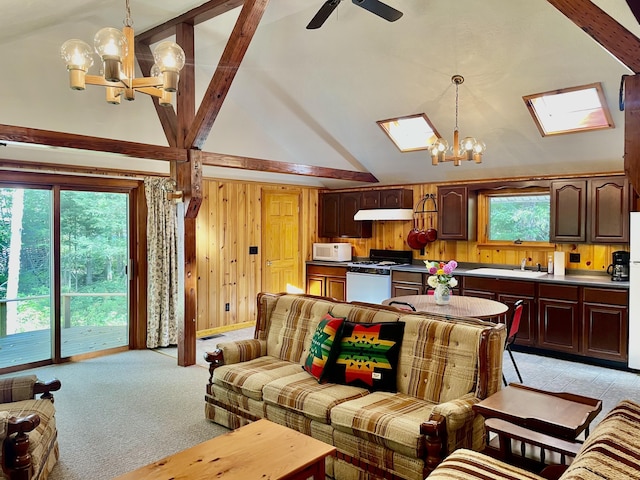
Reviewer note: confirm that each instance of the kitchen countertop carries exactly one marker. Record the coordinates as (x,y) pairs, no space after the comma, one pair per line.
(570,278)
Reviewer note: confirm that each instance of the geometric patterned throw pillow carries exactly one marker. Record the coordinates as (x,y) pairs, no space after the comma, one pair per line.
(368,355)
(323,346)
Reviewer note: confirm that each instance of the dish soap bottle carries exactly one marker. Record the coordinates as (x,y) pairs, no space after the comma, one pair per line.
(550,265)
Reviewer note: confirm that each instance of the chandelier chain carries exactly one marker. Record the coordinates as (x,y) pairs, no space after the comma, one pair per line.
(457,85)
(127,21)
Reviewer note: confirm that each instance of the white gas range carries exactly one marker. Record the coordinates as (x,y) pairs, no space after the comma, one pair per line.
(370,280)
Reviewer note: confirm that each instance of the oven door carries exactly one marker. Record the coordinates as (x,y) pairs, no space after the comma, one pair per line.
(368,287)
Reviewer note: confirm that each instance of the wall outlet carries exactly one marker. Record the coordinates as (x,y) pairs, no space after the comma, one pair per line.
(226,307)
(574,258)
(253,250)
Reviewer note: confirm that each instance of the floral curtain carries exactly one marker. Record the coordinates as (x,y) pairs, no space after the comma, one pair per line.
(162,264)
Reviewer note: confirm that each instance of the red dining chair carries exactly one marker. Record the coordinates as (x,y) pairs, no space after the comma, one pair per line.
(513,332)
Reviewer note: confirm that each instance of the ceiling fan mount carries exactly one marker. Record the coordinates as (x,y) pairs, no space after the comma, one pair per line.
(374,6)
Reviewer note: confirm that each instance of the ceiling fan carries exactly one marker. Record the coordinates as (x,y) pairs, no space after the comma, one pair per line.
(374,6)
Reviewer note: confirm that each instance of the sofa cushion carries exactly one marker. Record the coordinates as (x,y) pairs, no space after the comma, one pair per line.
(440,363)
(469,465)
(250,377)
(389,419)
(368,355)
(324,346)
(291,325)
(301,393)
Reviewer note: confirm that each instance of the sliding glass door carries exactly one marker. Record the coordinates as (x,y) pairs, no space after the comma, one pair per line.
(93,271)
(64,267)
(25,276)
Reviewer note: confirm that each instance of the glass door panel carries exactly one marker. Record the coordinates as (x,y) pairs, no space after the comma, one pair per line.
(93,271)
(25,276)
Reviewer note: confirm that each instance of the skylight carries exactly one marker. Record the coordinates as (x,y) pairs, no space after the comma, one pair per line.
(570,110)
(411,132)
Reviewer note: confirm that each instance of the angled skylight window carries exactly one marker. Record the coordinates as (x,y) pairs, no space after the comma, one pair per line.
(570,110)
(410,133)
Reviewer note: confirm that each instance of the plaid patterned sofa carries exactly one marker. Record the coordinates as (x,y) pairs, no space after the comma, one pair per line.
(611,452)
(27,428)
(445,365)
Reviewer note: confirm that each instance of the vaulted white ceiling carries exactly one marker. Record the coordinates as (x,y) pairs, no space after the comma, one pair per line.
(313,96)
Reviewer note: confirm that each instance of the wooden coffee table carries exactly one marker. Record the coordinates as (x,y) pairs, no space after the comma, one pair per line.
(551,421)
(260,450)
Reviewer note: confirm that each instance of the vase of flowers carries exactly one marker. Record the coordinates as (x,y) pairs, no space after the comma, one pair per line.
(441,279)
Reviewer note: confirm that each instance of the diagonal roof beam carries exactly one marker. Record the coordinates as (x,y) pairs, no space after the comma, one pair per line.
(234,52)
(619,41)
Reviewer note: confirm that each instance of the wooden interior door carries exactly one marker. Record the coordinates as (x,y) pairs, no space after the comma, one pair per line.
(281,268)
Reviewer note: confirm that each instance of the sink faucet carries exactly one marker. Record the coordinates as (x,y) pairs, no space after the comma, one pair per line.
(523,263)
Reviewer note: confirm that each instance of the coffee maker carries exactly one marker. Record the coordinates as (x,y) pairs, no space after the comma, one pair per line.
(619,269)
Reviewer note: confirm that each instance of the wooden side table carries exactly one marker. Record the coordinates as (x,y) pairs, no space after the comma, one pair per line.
(536,419)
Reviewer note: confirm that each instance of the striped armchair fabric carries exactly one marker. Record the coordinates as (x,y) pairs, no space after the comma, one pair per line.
(611,452)
(445,366)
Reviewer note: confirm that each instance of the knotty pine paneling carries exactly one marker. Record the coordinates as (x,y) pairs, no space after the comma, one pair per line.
(228,223)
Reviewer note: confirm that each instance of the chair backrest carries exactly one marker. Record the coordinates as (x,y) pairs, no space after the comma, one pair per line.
(515,321)
(403,305)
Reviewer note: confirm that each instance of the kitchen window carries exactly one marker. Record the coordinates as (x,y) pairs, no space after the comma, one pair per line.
(514,217)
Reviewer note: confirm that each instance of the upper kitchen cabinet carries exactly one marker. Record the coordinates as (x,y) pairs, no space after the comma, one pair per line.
(608,196)
(594,210)
(336,211)
(568,211)
(456,213)
(396,198)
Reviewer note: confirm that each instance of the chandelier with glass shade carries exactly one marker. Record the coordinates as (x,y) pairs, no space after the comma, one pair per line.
(468,149)
(116,51)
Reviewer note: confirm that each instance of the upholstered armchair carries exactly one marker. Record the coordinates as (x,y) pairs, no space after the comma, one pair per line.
(27,428)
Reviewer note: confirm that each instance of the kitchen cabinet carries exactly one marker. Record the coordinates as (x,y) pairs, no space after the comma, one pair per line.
(335,216)
(605,321)
(407,283)
(456,213)
(508,292)
(559,318)
(391,198)
(327,281)
(594,210)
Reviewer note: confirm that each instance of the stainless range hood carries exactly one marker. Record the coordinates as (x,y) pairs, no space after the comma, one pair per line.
(384,214)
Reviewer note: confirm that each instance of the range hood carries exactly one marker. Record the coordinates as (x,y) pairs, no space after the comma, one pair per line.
(384,214)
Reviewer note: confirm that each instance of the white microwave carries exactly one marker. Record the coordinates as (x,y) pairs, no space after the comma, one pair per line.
(332,252)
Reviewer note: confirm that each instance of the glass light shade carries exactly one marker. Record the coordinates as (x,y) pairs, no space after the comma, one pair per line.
(77,54)
(155,71)
(468,144)
(479,147)
(439,146)
(169,56)
(110,42)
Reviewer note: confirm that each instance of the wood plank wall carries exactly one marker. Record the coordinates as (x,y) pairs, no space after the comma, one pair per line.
(230,221)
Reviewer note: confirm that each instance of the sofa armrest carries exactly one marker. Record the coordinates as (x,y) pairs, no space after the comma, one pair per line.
(16,389)
(445,420)
(229,353)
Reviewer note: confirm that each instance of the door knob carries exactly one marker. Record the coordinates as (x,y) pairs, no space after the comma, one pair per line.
(268,263)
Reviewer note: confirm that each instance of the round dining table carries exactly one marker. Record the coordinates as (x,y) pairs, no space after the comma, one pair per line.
(459,306)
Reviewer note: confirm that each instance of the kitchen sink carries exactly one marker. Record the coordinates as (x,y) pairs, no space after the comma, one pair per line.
(503,272)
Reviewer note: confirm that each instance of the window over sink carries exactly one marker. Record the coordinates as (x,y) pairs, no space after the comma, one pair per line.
(514,216)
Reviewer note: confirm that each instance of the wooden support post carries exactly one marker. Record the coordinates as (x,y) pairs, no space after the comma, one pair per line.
(632,130)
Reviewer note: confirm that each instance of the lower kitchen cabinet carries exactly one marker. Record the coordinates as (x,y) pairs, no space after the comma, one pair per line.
(559,318)
(326,281)
(605,321)
(407,283)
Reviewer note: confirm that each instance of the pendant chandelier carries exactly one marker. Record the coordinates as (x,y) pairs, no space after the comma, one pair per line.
(469,149)
(116,50)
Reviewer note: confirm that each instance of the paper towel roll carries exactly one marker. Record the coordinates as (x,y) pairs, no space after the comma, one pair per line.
(558,263)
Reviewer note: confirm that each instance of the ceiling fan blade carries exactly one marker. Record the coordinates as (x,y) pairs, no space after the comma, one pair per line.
(381,9)
(324,12)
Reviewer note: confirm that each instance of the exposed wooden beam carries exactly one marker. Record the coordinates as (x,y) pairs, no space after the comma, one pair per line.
(631,129)
(185,36)
(12,133)
(197,15)
(232,56)
(247,163)
(615,38)
(634,6)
